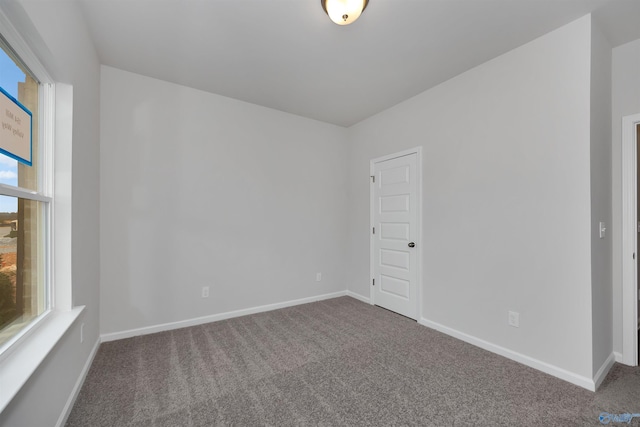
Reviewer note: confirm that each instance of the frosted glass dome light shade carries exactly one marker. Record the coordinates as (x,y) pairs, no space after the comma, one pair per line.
(344,12)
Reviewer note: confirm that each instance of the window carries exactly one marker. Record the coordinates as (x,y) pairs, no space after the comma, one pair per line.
(25,205)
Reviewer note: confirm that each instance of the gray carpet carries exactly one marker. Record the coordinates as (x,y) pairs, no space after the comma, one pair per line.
(337,362)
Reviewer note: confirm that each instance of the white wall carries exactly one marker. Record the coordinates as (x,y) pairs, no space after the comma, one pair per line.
(625,102)
(506,200)
(64,47)
(202,190)
(601,256)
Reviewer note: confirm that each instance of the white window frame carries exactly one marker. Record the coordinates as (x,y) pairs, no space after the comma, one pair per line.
(44,194)
(27,350)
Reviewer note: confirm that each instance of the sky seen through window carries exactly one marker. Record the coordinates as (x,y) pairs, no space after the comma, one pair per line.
(10,75)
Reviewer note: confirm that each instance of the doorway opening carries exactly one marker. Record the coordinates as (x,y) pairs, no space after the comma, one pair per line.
(630,238)
(637,286)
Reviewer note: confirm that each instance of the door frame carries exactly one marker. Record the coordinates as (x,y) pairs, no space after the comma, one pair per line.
(629,244)
(419,241)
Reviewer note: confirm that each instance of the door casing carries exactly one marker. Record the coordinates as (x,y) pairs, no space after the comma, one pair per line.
(629,241)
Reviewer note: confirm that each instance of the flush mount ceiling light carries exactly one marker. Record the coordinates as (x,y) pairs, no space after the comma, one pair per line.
(344,12)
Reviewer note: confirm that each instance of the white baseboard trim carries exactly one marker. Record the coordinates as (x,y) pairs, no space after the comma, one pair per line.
(604,370)
(359,297)
(618,356)
(214,317)
(66,411)
(547,368)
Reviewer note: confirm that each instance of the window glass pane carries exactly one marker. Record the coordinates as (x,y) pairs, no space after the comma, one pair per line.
(18,82)
(22,294)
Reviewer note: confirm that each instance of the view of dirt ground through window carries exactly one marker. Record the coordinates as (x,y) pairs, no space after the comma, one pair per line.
(22,291)
(8,257)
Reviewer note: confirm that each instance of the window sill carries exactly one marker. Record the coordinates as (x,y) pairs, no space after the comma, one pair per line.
(23,361)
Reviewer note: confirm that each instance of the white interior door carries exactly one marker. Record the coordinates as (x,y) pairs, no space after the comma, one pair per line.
(394,232)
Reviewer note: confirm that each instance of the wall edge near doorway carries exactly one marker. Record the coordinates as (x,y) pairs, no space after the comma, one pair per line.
(359,297)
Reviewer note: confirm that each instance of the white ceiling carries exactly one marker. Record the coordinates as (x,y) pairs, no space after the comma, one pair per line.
(288,55)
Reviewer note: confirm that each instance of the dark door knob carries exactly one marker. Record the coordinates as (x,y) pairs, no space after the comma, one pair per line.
(412,245)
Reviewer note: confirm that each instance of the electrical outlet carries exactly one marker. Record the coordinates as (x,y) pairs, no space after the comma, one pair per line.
(514,319)
(81,333)
(205,292)
(318,277)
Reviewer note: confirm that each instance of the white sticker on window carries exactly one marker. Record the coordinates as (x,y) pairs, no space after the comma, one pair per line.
(15,133)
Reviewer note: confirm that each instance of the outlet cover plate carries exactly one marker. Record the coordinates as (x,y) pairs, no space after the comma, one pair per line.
(514,319)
